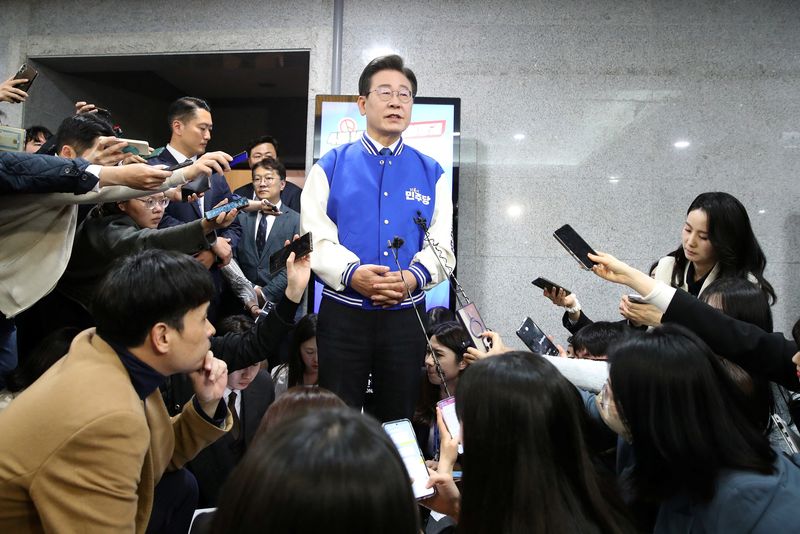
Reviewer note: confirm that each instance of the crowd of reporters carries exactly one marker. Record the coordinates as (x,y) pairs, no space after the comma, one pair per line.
(678,418)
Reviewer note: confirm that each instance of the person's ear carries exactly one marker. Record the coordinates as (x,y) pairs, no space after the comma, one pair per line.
(160,335)
(177,127)
(68,152)
(362,105)
(462,364)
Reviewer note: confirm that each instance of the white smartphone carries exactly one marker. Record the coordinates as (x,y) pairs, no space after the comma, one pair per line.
(138,147)
(402,435)
(448,408)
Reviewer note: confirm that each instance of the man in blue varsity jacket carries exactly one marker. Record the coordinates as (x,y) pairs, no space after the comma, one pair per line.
(357,198)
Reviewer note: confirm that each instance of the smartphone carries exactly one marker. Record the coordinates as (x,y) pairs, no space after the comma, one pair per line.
(301,247)
(137,147)
(638,299)
(402,435)
(535,338)
(180,165)
(28,73)
(471,320)
(12,139)
(789,436)
(575,245)
(546,284)
(196,186)
(448,408)
(238,159)
(237,203)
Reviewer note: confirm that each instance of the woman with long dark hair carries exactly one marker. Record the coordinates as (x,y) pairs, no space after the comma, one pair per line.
(696,454)
(526,465)
(302,367)
(717,241)
(449,340)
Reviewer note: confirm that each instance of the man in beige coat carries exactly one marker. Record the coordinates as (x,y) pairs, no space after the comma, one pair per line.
(83,447)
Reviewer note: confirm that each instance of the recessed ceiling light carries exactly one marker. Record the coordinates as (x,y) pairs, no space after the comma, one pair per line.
(681,144)
(514,210)
(762,212)
(613,179)
(519,137)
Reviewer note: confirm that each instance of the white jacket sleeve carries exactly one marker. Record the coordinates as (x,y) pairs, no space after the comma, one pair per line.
(441,233)
(330,259)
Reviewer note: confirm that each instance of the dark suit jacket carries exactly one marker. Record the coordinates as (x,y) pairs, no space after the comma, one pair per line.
(759,353)
(255,266)
(183,212)
(213,464)
(290,196)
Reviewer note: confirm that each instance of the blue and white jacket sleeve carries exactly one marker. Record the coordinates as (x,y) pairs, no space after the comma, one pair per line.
(331,261)
(441,233)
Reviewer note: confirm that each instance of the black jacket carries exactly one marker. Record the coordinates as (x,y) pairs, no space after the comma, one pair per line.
(238,351)
(768,355)
(34,173)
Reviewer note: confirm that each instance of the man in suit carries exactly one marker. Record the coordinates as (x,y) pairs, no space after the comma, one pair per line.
(83,448)
(264,234)
(248,395)
(262,147)
(190,122)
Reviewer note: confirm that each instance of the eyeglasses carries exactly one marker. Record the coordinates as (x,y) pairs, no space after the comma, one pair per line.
(151,203)
(385,93)
(269,178)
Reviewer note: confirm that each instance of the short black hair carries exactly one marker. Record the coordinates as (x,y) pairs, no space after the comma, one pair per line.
(80,131)
(334,471)
(260,141)
(34,132)
(392,62)
(233,324)
(146,288)
(597,337)
(184,108)
(269,164)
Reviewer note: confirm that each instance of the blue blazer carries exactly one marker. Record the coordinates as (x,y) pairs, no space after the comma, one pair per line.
(183,212)
(255,266)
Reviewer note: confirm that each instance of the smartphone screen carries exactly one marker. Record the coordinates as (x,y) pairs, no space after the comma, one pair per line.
(448,408)
(238,159)
(402,435)
(575,245)
(535,339)
(301,247)
(237,203)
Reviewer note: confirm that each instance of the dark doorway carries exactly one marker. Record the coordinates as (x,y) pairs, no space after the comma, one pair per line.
(250,93)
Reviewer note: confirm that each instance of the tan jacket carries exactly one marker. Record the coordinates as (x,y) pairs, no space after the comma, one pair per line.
(81,452)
